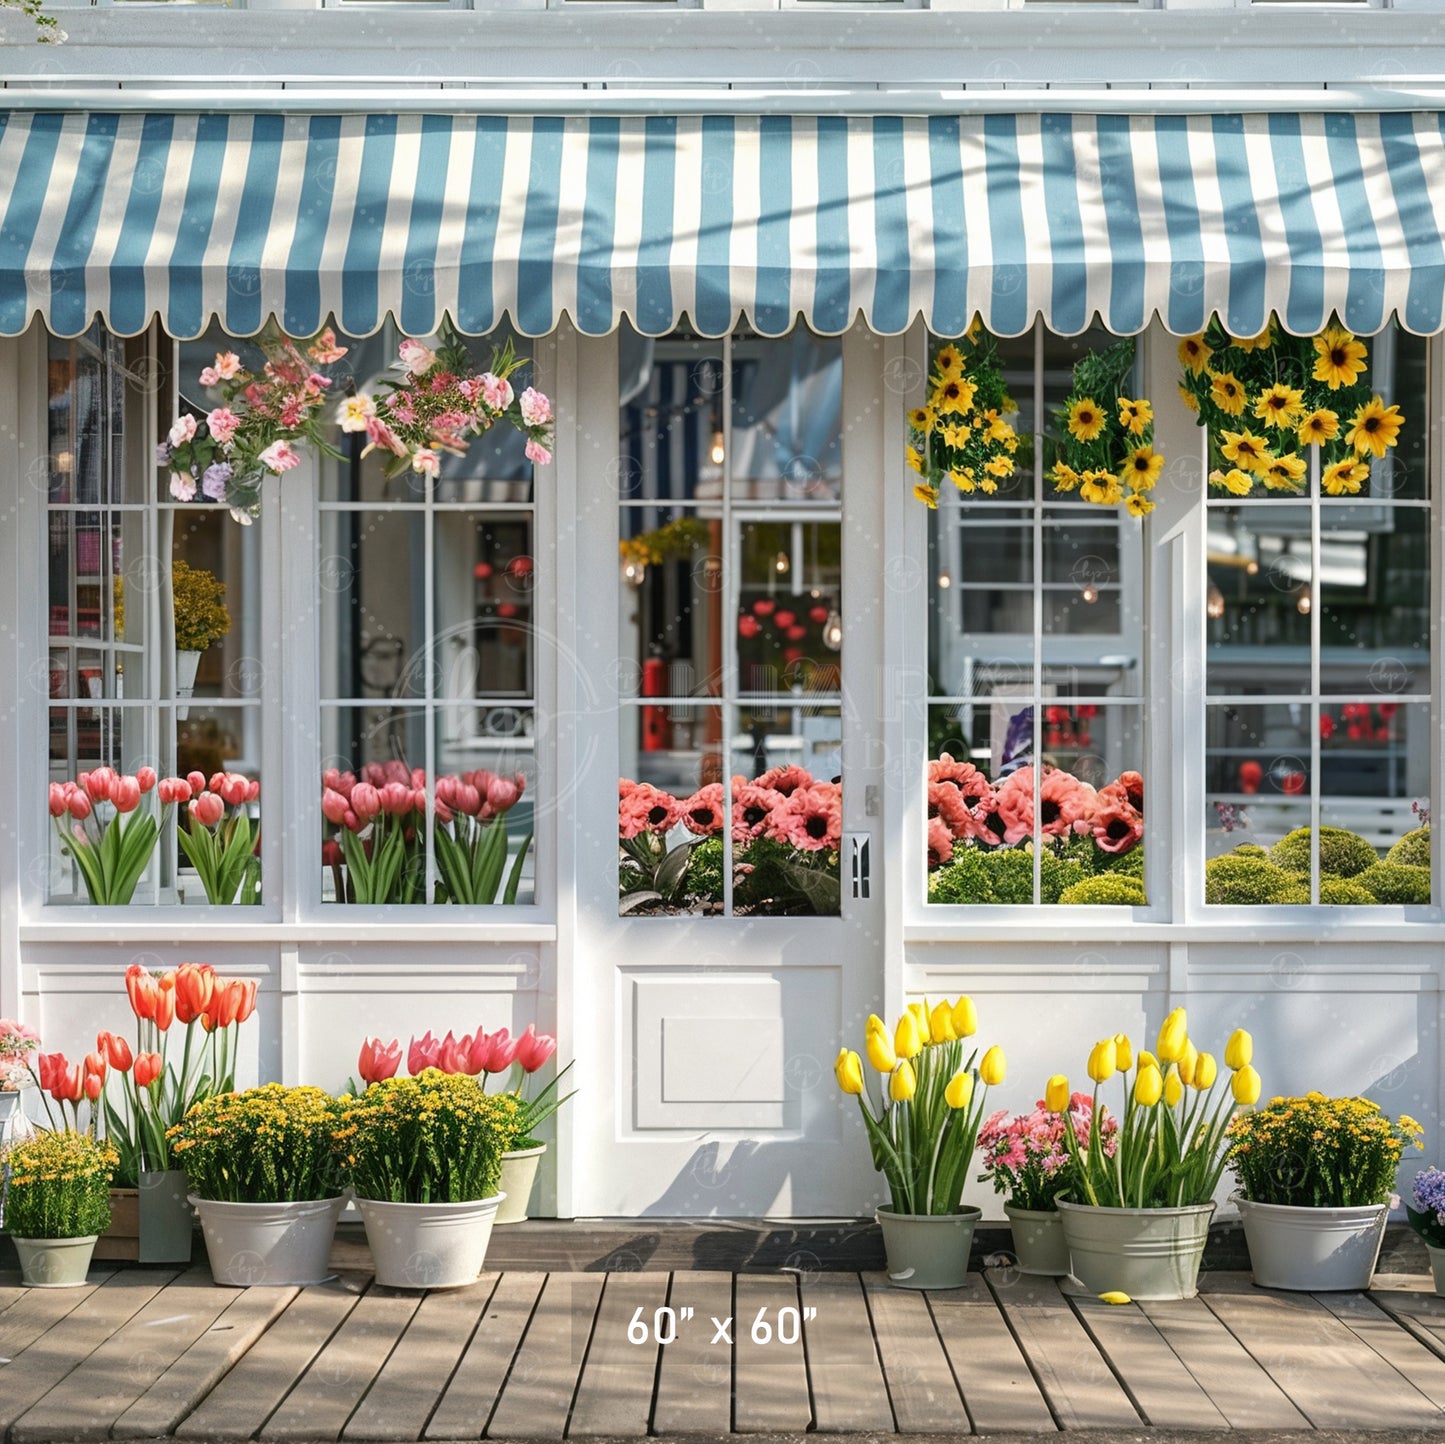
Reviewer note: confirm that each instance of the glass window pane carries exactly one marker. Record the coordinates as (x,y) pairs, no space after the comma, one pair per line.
(89,464)
(214,567)
(486,580)
(790,627)
(672,444)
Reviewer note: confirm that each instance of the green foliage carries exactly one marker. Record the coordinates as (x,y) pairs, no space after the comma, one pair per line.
(783,879)
(1245,881)
(1107,890)
(47,28)
(266,1145)
(1389,882)
(59,1186)
(1412,850)
(199,607)
(1318,1152)
(980,876)
(674,541)
(1057,874)
(1251,849)
(1341,853)
(1344,892)
(704,877)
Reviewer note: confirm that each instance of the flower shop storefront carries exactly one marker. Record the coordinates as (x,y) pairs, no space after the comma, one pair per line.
(874,519)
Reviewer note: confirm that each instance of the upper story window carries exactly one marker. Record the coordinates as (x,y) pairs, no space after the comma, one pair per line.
(1318,672)
(1036,628)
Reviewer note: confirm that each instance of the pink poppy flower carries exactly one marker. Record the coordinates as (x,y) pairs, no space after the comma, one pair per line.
(786,780)
(753,805)
(645,808)
(702,813)
(1064,802)
(810,819)
(1129,787)
(1117,827)
(945,804)
(940,843)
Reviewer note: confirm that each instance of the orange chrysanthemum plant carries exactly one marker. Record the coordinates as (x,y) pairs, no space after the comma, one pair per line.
(1103,449)
(1268,399)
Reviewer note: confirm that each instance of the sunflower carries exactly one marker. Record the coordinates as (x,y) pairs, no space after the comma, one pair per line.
(1234,481)
(1137,505)
(954,397)
(956,436)
(915,460)
(1142,469)
(1320,426)
(1262,342)
(921,418)
(1280,407)
(1086,420)
(1227,393)
(1374,427)
(1189,399)
(989,485)
(1285,473)
(948,364)
(1194,354)
(962,478)
(1135,416)
(1000,466)
(1102,488)
(1064,477)
(1344,478)
(998,428)
(927,494)
(1246,450)
(1339,358)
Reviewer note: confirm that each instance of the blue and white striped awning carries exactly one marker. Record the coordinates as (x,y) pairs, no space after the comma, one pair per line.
(722,219)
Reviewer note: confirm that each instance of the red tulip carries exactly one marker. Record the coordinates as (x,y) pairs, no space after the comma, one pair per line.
(378,1061)
(94,1086)
(455,1054)
(331,854)
(247,1005)
(494,1052)
(234,788)
(253,790)
(503,794)
(749,626)
(146,777)
(115,1050)
(98,784)
(79,805)
(49,1067)
(764,607)
(396,798)
(59,802)
(143,990)
(207,809)
(507,609)
(197,781)
(482,571)
(224,1006)
(67,1081)
(195,985)
(147,1069)
(125,794)
(365,801)
(422,1054)
(534,1048)
(165,1013)
(796,633)
(334,806)
(784,618)
(819,614)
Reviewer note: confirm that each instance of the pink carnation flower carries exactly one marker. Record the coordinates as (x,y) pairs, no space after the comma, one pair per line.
(496,391)
(279,457)
(222,423)
(536,408)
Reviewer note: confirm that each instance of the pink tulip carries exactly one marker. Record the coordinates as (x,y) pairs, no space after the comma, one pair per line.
(125,794)
(79,807)
(334,806)
(217,781)
(208,809)
(365,801)
(197,781)
(59,802)
(502,794)
(422,1054)
(378,1061)
(352,823)
(234,788)
(146,776)
(253,790)
(534,1048)
(494,1052)
(396,798)
(469,800)
(455,1055)
(98,784)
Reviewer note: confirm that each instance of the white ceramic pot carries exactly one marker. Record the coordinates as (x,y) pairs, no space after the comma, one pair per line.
(1312,1249)
(1147,1253)
(519,1173)
(1039,1242)
(269,1243)
(928,1250)
(55,1263)
(187,665)
(1437,1266)
(428,1245)
(166,1222)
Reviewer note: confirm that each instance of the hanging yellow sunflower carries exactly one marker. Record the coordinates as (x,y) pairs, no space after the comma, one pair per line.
(1086,419)
(1374,427)
(926,494)
(1194,354)
(948,363)
(954,397)
(1227,393)
(1286,473)
(1320,426)
(1143,467)
(1340,357)
(1246,450)
(1280,407)
(1262,342)
(1344,478)
(1063,477)
(1137,505)
(1234,481)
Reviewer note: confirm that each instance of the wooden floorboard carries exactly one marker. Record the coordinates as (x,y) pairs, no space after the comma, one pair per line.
(1334,1379)
(326,1395)
(246,1398)
(844,1372)
(66,1345)
(31,1316)
(614,1394)
(695,1377)
(1396,1346)
(1421,1314)
(921,1386)
(1240,1389)
(537,1396)
(468,1400)
(1075,1378)
(999,1391)
(770,1380)
(411,1381)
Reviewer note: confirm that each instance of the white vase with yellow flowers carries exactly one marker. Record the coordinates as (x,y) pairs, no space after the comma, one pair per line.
(923,1132)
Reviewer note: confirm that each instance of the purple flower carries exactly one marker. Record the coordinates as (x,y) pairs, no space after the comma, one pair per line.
(163,453)
(1430,1193)
(213,483)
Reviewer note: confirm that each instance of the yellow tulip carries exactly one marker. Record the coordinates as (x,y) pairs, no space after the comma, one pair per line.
(1205,1072)
(849,1071)
(940,1024)
(1173,1037)
(1146,1059)
(880,1050)
(903,1084)
(1188,1062)
(1115,1296)
(959,1092)
(875,1024)
(1239,1051)
(1148,1087)
(965,1018)
(907,1041)
(991,1068)
(1173,1087)
(1102,1058)
(1056,1094)
(1123,1052)
(920,1016)
(1245,1086)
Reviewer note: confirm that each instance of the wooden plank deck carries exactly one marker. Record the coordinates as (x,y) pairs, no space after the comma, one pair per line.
(149,1354)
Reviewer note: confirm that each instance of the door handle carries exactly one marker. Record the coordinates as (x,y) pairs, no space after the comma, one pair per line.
(858,846)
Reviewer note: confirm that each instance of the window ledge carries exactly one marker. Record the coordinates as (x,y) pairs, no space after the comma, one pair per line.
(358,930)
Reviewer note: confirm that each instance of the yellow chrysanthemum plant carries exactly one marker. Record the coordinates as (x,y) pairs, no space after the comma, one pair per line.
(923,1128)
(1103,449)
(1268,399)
(1166,1147)
(962,436)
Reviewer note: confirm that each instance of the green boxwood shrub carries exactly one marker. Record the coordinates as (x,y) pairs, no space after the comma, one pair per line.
(1342,853)
(1107,889)
(976,876)
(1058,873)
(1246,881)
(1251,849)
(1345,892)
(1391,882)
(1412,850)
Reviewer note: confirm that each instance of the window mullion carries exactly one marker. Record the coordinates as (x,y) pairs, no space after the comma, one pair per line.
(1316,780)
(731,595)
(1036,700)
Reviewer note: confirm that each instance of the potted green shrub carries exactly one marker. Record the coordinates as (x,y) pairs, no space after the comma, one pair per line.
(56,1204)
(1315,1178)
(263,1177)
(923,1135)
(200,618)
(424,1156)
(1139,1216)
